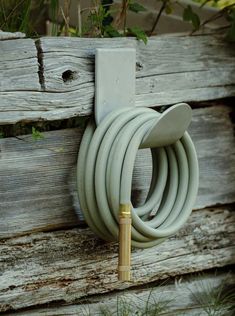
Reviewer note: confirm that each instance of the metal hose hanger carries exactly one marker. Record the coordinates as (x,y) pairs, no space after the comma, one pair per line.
(107,156)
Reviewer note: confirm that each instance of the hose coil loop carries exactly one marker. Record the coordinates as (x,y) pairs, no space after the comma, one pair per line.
(104,178)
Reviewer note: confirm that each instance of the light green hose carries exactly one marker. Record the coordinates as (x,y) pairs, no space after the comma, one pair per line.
(104,177)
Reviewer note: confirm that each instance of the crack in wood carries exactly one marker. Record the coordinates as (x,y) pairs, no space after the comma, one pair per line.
(40,64)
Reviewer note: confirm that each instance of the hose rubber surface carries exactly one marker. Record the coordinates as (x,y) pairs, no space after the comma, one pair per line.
(104,178)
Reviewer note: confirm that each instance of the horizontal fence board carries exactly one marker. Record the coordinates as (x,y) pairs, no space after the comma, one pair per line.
(67,265)
(18,70)
(169,69)
(186,296)
(38,186)
(10,35)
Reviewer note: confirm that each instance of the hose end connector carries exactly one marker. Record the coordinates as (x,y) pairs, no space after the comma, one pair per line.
(124,259)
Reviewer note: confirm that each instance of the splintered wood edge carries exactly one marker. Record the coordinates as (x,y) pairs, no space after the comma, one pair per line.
(178,297)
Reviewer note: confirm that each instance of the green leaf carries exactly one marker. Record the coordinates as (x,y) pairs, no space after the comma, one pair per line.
(139,34)
(187,13)
(112,31)
(196,21)
(190,16)
(136,7)
(36,135)
(73,31)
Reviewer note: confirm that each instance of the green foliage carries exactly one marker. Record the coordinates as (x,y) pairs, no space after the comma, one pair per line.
(105,18)
(215,301)
(138,33)
(36,134)
(126,307)
(111,31)
(227,9)
(100,22)
(190,16)
(16,15)
(14,130)
(1,135)
(136,7)
(216,3)
(96,19)
(25,16)
(54,9)
(153,306)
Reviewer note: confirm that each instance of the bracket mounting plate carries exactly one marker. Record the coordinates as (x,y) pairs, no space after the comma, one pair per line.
(114,80)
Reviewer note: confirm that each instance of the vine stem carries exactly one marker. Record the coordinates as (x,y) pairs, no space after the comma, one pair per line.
(215,16)
(158,17)
(125,4)
(122,16)
(65,14)
(79,18)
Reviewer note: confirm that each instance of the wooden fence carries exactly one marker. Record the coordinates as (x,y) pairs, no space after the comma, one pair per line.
(48,257)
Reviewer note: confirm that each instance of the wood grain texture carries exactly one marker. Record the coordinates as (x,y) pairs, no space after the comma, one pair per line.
(67,265)
(18,71)
(170,69)
(38,185)
(183,297)
(11,35)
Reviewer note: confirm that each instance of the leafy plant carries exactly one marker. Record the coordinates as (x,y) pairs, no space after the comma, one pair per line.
(36,134)
(98,23)
(130,5)
(138,33)
(100,20)
(227,10)
(136,7)
(105,18)
(189,15)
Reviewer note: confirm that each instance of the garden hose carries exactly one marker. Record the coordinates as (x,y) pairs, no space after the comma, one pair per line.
(104,177)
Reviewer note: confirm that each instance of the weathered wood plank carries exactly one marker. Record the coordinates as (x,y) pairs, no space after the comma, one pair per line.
(170,69)
(11,35)
(186,296)
(38,190)
(35,182)
(18,70)
(67,265)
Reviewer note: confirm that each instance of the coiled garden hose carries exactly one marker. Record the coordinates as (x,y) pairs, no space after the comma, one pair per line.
(104,177)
